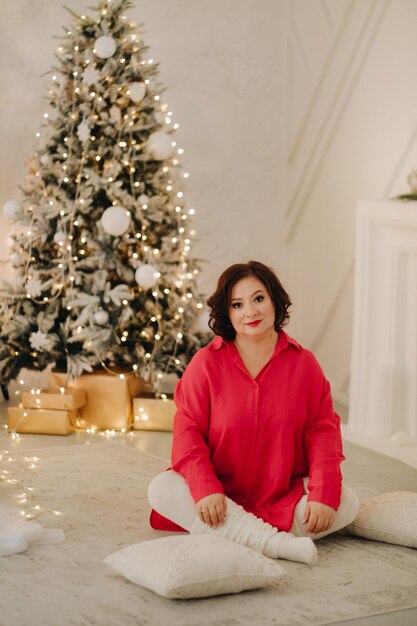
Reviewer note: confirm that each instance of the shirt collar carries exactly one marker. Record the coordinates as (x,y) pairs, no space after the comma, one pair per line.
(218,342)
(283,341)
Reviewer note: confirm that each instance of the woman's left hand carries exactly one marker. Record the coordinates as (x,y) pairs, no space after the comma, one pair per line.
(318,517)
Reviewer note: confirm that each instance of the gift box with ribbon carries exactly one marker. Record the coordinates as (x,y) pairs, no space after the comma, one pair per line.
(40,421)
(108,398)
(60,399)
(150,413)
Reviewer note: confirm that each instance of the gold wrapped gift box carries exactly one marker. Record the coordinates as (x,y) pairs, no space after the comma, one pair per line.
(40,421)
(108,398)
(67,400)
(150,413)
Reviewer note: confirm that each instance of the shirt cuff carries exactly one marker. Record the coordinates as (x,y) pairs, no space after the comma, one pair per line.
(324,490)
(201,489)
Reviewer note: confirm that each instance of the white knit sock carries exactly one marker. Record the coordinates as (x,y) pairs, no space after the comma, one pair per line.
(286,546)
(251,531)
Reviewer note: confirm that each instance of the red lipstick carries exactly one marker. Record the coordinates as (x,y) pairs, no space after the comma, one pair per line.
(254,323)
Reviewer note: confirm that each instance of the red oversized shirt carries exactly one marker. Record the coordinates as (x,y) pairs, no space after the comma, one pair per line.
(255,439)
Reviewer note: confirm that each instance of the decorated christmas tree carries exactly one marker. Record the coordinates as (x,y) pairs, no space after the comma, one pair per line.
(101,237)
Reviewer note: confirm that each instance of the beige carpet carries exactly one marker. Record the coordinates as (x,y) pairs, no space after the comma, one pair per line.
(101,490)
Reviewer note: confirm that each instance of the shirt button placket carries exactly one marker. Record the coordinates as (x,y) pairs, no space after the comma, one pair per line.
(255,405)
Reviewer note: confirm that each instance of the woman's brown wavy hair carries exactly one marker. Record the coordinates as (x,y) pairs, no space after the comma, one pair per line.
(219,301)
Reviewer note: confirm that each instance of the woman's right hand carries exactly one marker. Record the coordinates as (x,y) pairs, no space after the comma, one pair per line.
(212,509)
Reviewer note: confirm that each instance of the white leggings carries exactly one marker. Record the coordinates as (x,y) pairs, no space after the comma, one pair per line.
(170,496)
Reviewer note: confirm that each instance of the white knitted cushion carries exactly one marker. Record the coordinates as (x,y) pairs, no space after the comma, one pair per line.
(194,566)
(390,517)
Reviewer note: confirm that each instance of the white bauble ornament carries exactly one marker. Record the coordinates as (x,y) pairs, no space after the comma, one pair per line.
(105,47)
(12,209)
(44,159)
(145,275)
(143,198)
(159,146)
(202,321)
(16,259)
(83,131)
(136,91)
(101,317)
(59,237)
(115,114)
(115,220)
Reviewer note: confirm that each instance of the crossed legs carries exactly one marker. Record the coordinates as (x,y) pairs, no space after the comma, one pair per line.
(170,496)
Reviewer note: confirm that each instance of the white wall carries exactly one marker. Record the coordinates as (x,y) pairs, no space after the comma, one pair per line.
(352,134)
(339,96)
(222,63)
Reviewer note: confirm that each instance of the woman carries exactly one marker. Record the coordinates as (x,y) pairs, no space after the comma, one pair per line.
(256,447)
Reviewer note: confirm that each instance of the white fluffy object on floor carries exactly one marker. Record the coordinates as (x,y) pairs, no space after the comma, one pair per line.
(16,533)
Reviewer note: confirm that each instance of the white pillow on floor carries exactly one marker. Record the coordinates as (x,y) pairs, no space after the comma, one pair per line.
(390,517)
(194,566)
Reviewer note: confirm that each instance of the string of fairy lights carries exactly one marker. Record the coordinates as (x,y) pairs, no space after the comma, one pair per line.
(89,86)
(20,490)
(22,493)
(72,240)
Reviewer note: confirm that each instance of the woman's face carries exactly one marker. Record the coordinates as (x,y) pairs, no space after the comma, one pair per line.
(251,311)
